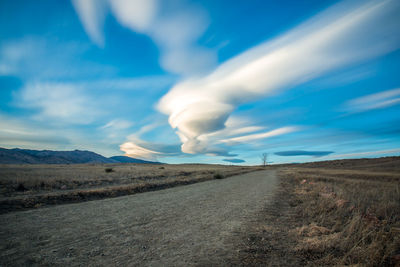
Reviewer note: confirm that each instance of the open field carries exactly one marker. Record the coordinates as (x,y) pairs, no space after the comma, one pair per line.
(33,186)
(331,213)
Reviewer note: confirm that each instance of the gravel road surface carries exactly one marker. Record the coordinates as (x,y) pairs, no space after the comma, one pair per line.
(197,224)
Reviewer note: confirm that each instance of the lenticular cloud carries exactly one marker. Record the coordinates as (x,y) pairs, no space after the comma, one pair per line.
(335,38)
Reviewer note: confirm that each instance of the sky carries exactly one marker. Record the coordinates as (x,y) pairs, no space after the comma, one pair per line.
(182,81)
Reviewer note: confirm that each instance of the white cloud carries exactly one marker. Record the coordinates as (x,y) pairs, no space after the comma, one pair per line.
(135,151)
(258,136)
(21,132)
(59,102)
(363,154)
(14,54)
(92,14)
(137,15)
(175,30)
(374,101)
(33,57)
(133,83)
(335,38)
(138,148)
(17,133)
(117,124)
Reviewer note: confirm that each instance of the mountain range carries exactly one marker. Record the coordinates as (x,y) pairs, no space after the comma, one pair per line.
(27,156)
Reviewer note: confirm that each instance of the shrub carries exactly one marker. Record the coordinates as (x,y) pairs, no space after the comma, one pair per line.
(109,170)
(218,176)
(21,187)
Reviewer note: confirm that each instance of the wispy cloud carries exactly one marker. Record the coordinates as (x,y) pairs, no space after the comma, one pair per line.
(138,148)
(258,136)
(17,133)
(335,38)
(303,153)
(374,101)
(175,30)
(61,102)
(92,14)
(38,58)
(137,15)
(117,124)
(363,154)
(131,83)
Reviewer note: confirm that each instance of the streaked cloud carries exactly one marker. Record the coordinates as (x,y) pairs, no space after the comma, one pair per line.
(138,15)
(131,83)
(92,14)
(57,101)
(137,148)
(17,133)
(175,30)
(335,38)
(364,154)
(117,124)
(39,58)
(374,101)
(291,153)
(267,91)
(258,136)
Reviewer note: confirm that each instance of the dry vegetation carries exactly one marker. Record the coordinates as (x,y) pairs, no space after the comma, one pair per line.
(32,186)
(333,213)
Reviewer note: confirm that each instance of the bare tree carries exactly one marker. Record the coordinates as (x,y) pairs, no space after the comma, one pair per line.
(264,157)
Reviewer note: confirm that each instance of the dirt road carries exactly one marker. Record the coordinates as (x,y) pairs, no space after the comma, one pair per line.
(188,225)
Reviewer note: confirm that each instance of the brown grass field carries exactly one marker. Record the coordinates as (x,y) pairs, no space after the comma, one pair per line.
(333,213)
(34,186)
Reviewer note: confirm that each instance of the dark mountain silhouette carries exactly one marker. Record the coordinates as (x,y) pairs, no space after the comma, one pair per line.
(27,156)
(125,159)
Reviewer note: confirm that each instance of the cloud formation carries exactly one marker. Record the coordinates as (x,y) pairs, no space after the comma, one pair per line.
(38,58)
(17,133)
(234,160)
(137,148)
(366,153)
(257,136)
(175,30)
(374,101)
(62,102)
(199,107)
(117,124)
(92,14)
(292,153)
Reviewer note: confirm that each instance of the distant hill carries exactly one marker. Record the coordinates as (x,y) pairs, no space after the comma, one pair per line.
(124,159)
(27,156)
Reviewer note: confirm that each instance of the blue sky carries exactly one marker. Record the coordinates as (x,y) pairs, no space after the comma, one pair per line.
(202,81)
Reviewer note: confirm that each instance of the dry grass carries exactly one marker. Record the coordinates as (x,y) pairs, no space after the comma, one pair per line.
(30,186)
(346,217)
(333,213)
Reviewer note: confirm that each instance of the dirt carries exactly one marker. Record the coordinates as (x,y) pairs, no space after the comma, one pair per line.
(267,240)
(200,224)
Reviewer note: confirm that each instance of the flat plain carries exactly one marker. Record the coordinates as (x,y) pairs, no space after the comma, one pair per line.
(329,213)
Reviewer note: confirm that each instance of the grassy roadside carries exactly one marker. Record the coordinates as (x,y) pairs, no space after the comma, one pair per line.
(345,220)
(329,217)
(32,186)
